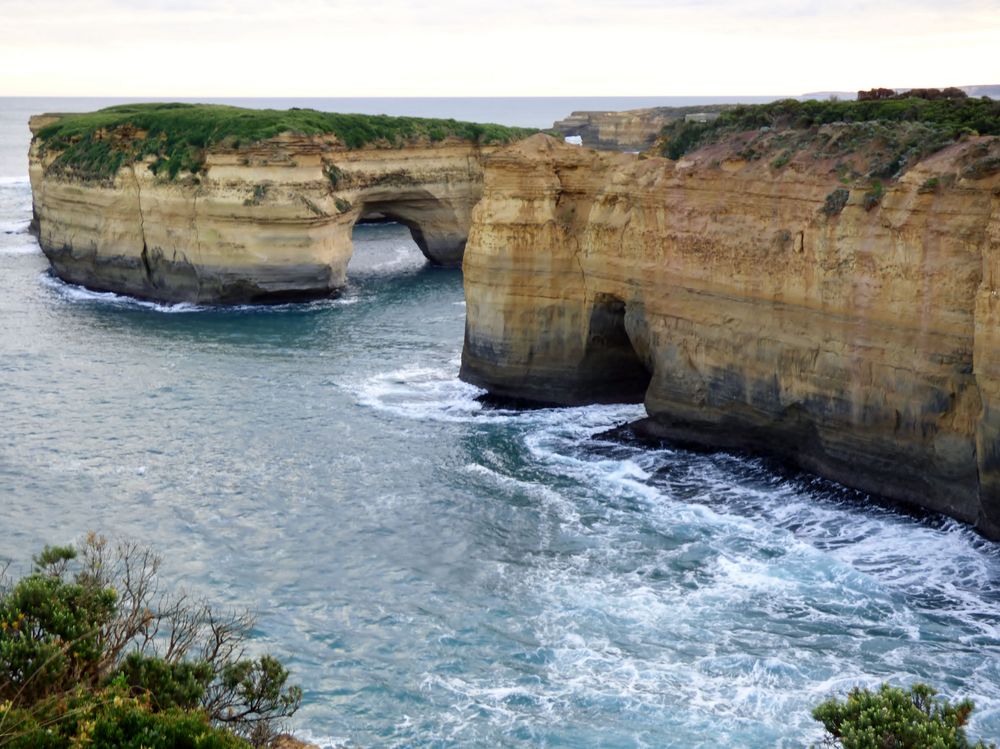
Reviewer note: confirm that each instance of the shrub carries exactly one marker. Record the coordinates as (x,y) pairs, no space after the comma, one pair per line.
(169,685)
(109,718)
(836,201)
(895,718)
(92,650)
(682,138)
(930,184)
(876,93)
(259,193)
(984,167)
(873,196)
(782,160)
(335,174)
(249,694)
(50,631)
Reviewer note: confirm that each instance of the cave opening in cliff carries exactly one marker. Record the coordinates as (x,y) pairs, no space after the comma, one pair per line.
(616,370)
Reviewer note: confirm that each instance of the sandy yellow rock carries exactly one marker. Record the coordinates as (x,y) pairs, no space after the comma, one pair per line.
(634,129)
(862,345)
(265,222)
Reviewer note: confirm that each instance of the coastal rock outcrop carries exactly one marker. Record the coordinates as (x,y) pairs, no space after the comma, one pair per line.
(632,129)
(261,221)
(755,304)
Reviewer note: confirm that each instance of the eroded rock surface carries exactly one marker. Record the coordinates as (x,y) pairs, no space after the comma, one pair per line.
(264,222)
(853,330)
(632,129)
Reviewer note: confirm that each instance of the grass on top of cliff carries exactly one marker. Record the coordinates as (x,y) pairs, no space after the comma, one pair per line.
(907,129)
(97,144)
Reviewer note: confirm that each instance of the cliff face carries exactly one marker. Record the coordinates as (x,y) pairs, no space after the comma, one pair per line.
(263,222)
(751,307)
(632,129)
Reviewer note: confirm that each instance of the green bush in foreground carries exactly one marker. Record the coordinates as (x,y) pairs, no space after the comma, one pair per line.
(94,654)
(895,718)
(109,718)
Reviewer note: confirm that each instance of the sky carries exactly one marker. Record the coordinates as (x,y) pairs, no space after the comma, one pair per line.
(323,48)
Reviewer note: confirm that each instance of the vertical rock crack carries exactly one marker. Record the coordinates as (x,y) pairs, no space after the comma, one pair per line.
(144,255)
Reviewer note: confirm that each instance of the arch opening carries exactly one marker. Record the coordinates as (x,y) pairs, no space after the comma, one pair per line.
(616,368)
(382,248)
(439,228)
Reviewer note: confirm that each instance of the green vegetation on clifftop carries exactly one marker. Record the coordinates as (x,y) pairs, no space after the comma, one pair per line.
(97,144)
(938,122)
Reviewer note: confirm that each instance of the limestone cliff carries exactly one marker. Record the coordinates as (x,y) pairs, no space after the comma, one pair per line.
(260,221)
(632,129)
(770,305)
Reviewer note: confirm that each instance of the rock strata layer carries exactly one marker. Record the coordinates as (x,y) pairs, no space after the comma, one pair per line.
(853,330)
(265,222)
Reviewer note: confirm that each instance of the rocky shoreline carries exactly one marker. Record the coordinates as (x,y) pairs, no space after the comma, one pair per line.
(858,343)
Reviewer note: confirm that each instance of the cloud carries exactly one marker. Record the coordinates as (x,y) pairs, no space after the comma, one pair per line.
(528,47)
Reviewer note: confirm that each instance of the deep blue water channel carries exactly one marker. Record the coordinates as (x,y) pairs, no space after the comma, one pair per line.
(439,574)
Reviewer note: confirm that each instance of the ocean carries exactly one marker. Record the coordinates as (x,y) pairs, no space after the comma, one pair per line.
(439,573)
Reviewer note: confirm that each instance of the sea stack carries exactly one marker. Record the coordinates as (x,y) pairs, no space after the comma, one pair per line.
(213,204)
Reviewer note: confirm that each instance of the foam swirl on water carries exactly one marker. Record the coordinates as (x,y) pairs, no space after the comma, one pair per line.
(707,587)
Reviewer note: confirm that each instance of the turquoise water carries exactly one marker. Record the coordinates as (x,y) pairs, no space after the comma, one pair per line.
(441,574)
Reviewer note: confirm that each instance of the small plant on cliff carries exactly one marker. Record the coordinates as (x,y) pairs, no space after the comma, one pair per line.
(94,653)
(873,196)
(259,193)
(895,718)
(930,184)
(782,160)
(313,208)
(683,137)
(335,174)
(836,201)
(984,167)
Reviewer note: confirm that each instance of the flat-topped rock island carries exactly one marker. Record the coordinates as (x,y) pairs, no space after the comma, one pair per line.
(216,204)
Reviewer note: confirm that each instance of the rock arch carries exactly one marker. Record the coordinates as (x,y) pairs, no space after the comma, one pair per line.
(266,223)
(439,227)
